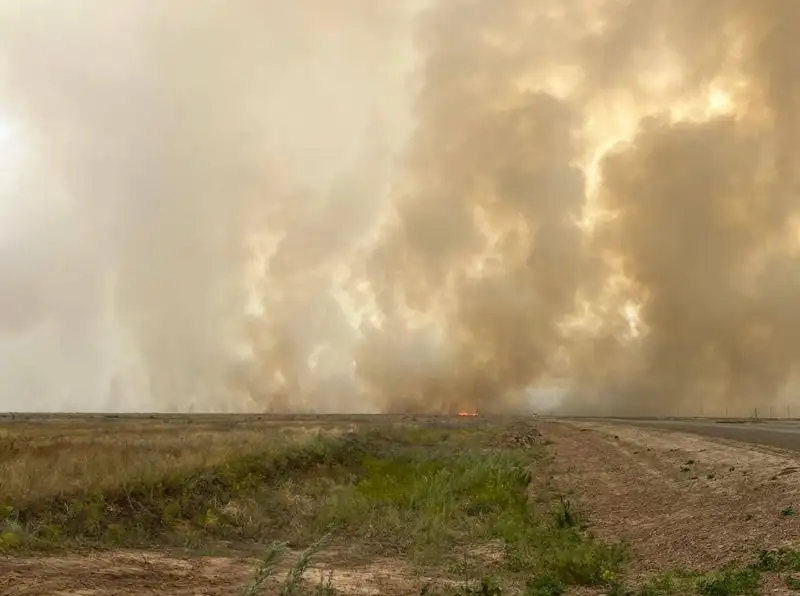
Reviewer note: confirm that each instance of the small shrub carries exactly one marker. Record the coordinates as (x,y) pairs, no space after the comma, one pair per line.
(544,585)
(565,516)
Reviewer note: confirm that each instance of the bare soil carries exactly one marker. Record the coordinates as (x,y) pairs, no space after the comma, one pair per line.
(138,574)
(679,500)
(121,573)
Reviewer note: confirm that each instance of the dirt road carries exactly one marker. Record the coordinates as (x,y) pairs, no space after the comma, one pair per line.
(784,434)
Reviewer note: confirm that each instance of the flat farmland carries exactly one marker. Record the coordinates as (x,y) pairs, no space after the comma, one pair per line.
(265,504)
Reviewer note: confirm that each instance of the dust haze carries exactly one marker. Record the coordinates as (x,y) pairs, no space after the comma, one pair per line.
(366,206)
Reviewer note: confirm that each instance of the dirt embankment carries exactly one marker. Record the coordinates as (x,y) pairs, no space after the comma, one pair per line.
(679,500)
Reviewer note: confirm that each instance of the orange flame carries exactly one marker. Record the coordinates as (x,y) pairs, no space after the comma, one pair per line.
(467,413)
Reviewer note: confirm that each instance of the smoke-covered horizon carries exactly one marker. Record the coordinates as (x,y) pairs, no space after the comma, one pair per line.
(375,206)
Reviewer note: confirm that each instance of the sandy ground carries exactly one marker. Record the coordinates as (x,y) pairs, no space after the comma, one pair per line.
(121,573)
(678,500)
(138,574)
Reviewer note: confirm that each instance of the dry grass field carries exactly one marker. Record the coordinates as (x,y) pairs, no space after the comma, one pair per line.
(386,505)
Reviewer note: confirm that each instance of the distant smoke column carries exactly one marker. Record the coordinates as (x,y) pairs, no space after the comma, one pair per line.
(484,252)
(706,209)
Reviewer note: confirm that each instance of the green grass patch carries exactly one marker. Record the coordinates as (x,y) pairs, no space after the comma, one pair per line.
(439,506)
(733,580)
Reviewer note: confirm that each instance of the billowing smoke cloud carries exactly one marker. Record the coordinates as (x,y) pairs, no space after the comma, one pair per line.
(669,130)
(707,210)
(251,205)
(158,150)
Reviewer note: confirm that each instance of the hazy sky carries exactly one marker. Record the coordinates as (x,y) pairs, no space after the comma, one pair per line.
(366,205)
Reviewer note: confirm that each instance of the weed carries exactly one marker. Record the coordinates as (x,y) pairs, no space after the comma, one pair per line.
(544,585)
(793,583)
(265,570)
(788,511)
(294,579)
(486,588)
(293,584)
(662,585)
(733,580)
(325,586)
(565,516)
(10,541)
(778,560)
(730,582)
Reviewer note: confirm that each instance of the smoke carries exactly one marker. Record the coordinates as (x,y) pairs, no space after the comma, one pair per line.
(706,199)
(369,207)
(158,150)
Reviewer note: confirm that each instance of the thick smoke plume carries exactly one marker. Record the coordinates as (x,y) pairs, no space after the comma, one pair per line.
(158,152)
(358,206)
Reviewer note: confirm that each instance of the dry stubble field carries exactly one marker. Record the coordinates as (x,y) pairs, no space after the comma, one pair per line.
(388,505)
